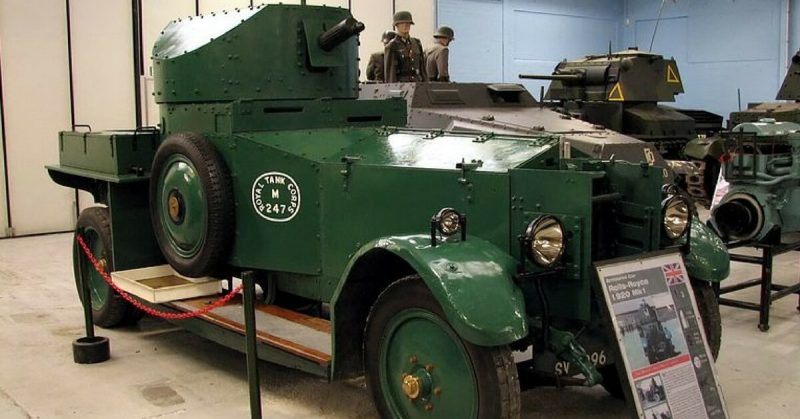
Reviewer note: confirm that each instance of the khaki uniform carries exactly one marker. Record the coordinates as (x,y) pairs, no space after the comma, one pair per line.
(375,70)
(404,60)
(437,61)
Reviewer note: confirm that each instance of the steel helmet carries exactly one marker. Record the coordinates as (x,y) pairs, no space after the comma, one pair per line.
(403,17)
(445,32)
(388,36)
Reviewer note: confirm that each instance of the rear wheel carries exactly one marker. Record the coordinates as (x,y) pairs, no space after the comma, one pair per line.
(417,366)
(108,308)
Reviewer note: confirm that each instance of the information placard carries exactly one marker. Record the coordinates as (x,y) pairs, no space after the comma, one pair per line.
(669,367)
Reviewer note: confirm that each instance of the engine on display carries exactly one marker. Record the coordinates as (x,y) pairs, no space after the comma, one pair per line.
(762,173)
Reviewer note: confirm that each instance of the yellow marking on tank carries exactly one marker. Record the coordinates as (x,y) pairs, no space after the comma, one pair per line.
(672,76)
(616,94)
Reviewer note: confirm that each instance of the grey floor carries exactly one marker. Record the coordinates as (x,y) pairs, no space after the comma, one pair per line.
(157,370)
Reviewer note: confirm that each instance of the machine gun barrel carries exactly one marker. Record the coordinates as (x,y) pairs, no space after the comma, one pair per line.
(336,35)
(561,77)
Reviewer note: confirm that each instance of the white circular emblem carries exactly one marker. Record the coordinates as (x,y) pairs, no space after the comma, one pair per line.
(276,197)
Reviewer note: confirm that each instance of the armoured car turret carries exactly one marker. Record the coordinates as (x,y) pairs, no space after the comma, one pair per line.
(418,257)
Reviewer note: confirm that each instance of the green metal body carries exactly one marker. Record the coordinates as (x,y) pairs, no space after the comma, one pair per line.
(764,176)
(333,205)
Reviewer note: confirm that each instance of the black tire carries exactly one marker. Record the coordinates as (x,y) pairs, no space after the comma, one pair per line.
(216,186)
(94,224)
(494,368)
(611,381)
(708,306)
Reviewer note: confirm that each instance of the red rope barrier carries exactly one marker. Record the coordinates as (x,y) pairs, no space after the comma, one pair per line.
(149,310)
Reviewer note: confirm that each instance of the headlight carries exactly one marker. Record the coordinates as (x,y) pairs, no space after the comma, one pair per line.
(545,241)
(676,211)
(448,221)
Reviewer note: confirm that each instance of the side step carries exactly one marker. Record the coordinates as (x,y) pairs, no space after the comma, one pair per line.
(293,333)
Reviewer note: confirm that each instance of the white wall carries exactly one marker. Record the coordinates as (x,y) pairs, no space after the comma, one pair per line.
(36,98)
(33,44)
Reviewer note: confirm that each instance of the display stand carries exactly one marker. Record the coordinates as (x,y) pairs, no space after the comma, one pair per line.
(253,380)
(769,292)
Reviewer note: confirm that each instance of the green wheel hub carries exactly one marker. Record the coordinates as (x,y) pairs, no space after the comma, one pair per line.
(425,369)
(182,206)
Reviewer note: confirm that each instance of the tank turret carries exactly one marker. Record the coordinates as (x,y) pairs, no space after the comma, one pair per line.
(790,90)
(621,91)
(628,76)
(779,111)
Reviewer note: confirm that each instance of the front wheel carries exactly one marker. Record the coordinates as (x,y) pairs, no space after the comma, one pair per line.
(418,367)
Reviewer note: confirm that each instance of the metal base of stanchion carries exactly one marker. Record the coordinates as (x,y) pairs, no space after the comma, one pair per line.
(91,350)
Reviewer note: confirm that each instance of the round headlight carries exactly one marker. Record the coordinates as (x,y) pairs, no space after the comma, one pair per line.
(677,212)
(448,221)
(546,241)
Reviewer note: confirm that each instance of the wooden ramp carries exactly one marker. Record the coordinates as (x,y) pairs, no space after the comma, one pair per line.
(298,334)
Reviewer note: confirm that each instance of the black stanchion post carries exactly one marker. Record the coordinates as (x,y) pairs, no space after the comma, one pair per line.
(89,349)
(249,290)
(766,288)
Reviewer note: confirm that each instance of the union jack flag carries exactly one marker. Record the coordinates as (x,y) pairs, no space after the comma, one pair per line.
(673,273)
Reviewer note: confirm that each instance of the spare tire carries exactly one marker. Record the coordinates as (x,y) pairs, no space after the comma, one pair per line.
(191,204)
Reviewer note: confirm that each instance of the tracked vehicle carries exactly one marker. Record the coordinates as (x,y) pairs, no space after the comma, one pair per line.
(505,108)
(623,91)
(787,111)
(421,258)
(757,122)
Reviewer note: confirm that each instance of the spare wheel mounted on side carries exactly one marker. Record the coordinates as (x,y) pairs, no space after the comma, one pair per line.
(191,204)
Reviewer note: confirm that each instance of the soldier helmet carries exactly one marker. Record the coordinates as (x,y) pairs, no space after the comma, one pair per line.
(403,17)
(388,36)
(445,32)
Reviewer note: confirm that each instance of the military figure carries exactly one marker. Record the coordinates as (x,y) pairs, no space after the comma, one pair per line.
(403,55)
(437,57)
(375,67)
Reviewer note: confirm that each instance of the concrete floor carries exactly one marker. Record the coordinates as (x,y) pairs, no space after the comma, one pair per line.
(157,370)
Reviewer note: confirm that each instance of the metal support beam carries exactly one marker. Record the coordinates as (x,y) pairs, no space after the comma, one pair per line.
(4,150)
(769,292)
(138,62)
(71,92)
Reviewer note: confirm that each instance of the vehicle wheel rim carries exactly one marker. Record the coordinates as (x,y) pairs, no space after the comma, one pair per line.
(182,206)
(98,289)
(425,369)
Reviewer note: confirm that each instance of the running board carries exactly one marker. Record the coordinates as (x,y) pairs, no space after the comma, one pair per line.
(297,334)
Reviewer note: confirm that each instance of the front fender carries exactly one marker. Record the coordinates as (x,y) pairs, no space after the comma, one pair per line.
(708,258)
(472,281)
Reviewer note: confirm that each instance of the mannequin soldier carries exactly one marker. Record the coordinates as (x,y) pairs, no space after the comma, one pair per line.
(404,56)
(375,67)
(437,57)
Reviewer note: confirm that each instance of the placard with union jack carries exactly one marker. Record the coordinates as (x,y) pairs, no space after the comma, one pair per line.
(673,274)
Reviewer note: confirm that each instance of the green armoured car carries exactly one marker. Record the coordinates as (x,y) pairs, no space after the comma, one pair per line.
(421,258)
